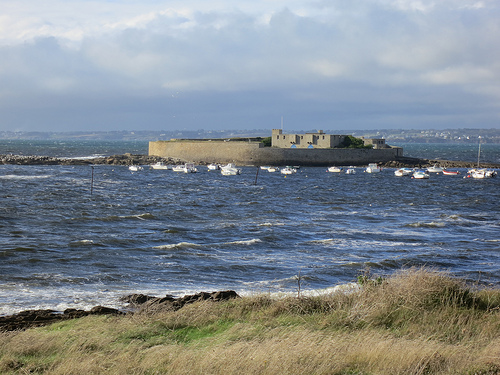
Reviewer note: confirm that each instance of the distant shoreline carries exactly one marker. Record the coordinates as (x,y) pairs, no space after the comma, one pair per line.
(427,135)
(130,159)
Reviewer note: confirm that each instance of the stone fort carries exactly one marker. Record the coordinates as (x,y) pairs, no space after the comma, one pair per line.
(309,149)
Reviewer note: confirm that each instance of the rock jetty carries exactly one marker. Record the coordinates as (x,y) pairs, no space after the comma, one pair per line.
(36,318)
(125,159)
(138,303)
(133,159)
(402,162)
(145,303)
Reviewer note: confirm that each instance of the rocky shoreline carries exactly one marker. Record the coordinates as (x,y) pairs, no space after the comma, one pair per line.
(131,159)
(138,303)
(125,159)
(425,163)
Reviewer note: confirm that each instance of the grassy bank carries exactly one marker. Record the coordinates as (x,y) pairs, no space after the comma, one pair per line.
(415,322)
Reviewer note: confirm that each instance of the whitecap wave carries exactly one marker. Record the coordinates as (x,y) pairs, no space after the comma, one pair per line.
(432,224)
(324,241)
(179,245)
(83,242)
(244,242)
(341,288)
(24,177)
(269,224)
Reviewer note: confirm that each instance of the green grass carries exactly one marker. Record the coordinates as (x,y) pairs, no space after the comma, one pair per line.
(415,322)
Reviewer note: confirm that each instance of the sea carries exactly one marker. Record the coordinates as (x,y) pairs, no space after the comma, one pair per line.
(81,236)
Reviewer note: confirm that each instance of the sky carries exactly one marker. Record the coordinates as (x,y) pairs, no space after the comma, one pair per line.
(95,65)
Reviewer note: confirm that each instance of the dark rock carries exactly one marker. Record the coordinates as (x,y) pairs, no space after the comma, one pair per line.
(224,295)
(131,159)
(74,313)
(154,304)
(136,299)
(401,162)
(126,159)
(36,318)
(101,310)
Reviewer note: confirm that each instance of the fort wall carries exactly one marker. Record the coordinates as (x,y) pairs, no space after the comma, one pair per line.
(255,154)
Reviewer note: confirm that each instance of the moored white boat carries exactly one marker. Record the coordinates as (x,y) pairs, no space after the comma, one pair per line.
(350,171)
(213,167)
(435,169)
(481,173)
(403,172)
(420,175)
(450,173)
(273,169)
(186,168)
(230,170)
(288,170)
(135,168)
(160,165)
(335,169)
(373,168)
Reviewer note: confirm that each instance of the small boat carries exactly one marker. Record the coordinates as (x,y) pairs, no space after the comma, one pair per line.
(186,168)
(178,168)
(160,165)
(481,173)
(288,170)
(350,171)
(435,169)
(335,169)
(135,168)
(264,167)
(373,168)
(230,170)
(213,167)
(420,175)
(403,172)
(450,173)
(273,169)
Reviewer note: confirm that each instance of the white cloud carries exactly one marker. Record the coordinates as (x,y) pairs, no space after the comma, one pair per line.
(305,53)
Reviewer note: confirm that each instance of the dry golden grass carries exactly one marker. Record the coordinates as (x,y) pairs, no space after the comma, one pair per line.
(415,322)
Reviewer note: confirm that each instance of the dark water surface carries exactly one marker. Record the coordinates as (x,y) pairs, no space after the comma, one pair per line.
(160,232)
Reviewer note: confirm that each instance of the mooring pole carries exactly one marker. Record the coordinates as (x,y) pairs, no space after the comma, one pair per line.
(92,181)
(256,175)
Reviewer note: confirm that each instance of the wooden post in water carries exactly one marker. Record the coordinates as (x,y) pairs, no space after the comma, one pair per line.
(92,181)
(255,183)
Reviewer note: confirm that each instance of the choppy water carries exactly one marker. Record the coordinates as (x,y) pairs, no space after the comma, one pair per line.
(160,232)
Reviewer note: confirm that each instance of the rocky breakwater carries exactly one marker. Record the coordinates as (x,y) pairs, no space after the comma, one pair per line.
(36,318)
(138,303)
(402,162)
(126,159)
(135,159)
(150,304)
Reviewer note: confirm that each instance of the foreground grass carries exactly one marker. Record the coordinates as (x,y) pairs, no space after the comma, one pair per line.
(415,322)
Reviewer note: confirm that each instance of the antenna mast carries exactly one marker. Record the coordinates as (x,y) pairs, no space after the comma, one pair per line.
(479,152)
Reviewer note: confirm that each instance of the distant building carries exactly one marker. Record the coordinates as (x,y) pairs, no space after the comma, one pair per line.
(307,140)
(317,140)
(377,143)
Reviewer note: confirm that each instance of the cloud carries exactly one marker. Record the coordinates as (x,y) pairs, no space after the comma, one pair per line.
(380,63)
